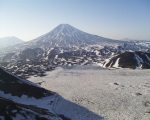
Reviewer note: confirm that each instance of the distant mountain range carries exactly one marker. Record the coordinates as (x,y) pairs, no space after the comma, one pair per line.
(66,45)
(9,41)
(67,36)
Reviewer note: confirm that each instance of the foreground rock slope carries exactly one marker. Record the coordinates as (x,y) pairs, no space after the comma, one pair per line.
(23,100)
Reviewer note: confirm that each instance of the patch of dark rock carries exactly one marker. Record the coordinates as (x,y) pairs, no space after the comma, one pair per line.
(147,103)
(18,87)
(116,83)
(148,112)
(63,117)
(40,83)
(131,60)
(10,109)
(138,94)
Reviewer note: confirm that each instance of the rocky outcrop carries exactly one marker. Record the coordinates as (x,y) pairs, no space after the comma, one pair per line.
(132,60)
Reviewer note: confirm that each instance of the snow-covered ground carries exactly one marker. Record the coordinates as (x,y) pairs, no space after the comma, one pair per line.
(119,94)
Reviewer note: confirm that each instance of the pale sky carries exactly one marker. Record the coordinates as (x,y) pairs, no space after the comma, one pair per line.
(118,19)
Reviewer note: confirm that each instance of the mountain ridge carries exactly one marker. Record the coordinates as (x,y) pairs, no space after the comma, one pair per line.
(9,41)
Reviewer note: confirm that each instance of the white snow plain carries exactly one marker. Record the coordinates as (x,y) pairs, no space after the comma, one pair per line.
(119,94)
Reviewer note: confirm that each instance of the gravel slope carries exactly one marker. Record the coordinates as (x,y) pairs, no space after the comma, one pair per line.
(120,94)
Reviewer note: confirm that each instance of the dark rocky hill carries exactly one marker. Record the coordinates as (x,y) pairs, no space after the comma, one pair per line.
(133,60)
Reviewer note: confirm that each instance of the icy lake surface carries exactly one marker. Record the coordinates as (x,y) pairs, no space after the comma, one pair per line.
(119,94)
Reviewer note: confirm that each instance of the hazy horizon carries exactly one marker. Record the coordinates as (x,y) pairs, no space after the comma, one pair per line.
(116,19)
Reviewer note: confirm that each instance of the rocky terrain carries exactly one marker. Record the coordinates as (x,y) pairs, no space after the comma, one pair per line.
(67,60)
(17,98)
(66,45)
(22,100)
(37,61)
(132,60)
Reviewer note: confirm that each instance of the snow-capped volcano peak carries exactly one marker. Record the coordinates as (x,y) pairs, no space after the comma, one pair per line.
(65,35)
(65,29)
